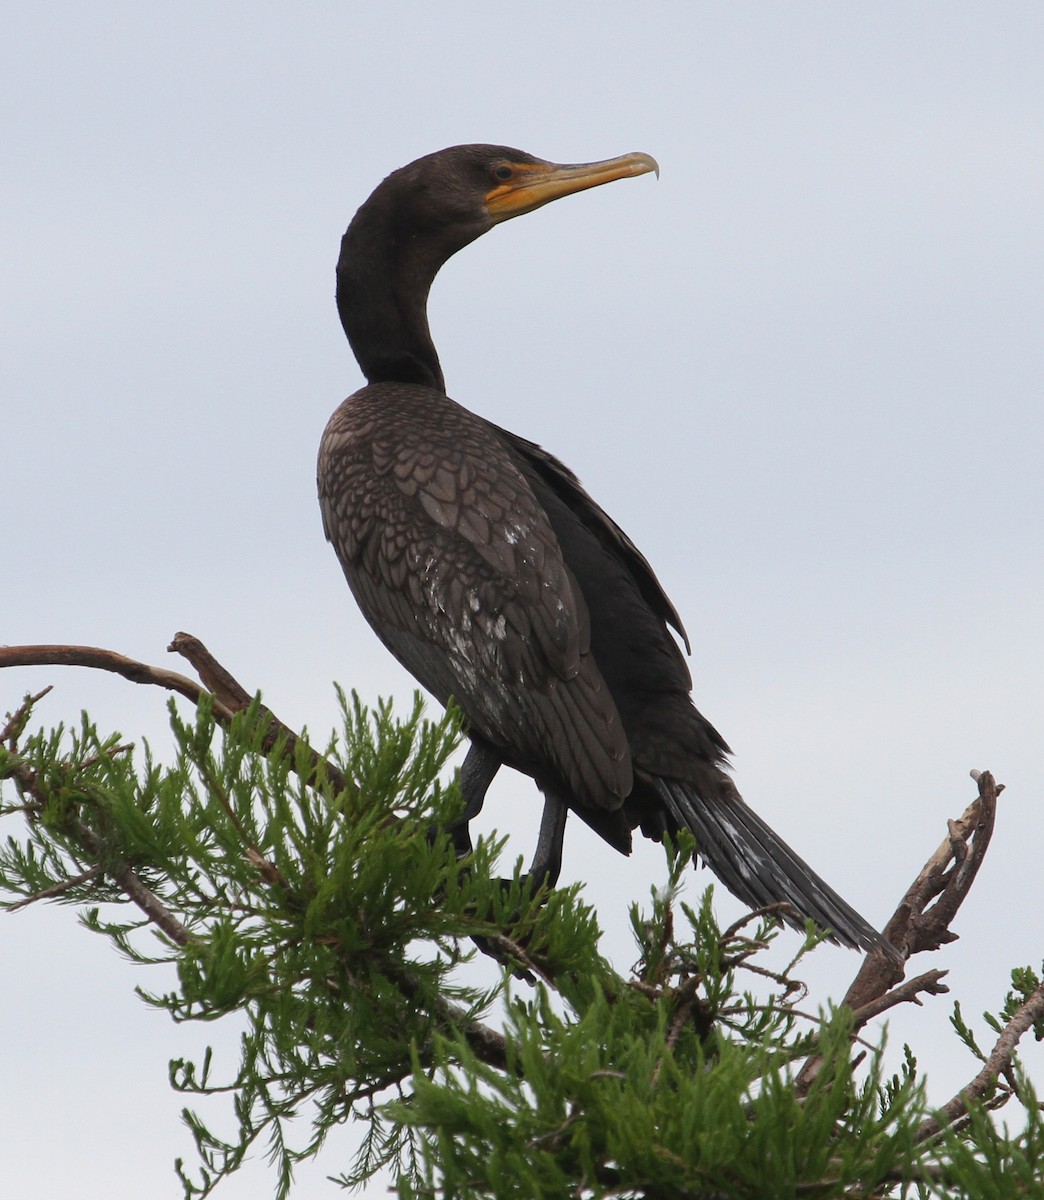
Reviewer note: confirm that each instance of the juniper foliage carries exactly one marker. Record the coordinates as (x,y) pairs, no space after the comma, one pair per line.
(340,927)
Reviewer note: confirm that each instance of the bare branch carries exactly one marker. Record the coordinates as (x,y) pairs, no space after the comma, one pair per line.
(227,694)
(220,682)
(918,924)
(776,910)
(233,696)
(98,659)
(908,992)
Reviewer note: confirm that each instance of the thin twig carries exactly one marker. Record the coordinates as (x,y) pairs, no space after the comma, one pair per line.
(16,720)
(512,953)
(252,854)
(687,999)
(789,986)
(111,752)
(58,889)
(266,869)
(775,911)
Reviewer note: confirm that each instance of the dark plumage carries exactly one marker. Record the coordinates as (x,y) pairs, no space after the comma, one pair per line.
(493,577)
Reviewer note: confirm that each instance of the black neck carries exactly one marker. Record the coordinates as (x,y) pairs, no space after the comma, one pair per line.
(383,280)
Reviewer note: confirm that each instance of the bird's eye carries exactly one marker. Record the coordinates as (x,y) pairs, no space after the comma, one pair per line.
(503,172)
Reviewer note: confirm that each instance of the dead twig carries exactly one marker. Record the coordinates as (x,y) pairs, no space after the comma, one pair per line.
(776,911)
(922,920)
(233,696)
(97,659)
(918,924)
(908,992)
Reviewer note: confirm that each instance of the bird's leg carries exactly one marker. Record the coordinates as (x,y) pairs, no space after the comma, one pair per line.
(547,859)
(480,765)
(544,869)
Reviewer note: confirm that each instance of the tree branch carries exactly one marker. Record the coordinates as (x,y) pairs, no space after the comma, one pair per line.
(918,924)
(999,1062)
(17,720)
(97,659)
(487,1044)
(229,697)
(117,870)
(59,889)
(908,992)
(120,873)
(231,693)
(227,694)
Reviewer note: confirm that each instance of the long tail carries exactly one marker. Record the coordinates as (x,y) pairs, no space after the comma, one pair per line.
(756,865)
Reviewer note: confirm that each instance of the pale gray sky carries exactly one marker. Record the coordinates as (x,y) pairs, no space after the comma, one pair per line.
(803,370)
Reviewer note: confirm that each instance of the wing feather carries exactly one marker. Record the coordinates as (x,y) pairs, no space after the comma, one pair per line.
(456,566)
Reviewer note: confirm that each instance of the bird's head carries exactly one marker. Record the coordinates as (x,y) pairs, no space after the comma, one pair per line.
(421,215)
(455,195)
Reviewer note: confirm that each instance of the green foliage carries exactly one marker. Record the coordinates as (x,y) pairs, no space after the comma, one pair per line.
(993,1163)
(619,1098)
(339,926)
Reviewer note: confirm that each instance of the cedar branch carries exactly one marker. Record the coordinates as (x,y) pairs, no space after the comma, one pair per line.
(228,697)
(116,868)
(999,1063)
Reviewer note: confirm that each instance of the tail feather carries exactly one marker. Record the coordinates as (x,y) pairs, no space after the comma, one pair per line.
(756,865)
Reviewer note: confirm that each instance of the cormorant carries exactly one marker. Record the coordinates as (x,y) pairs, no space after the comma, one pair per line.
(494,578)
